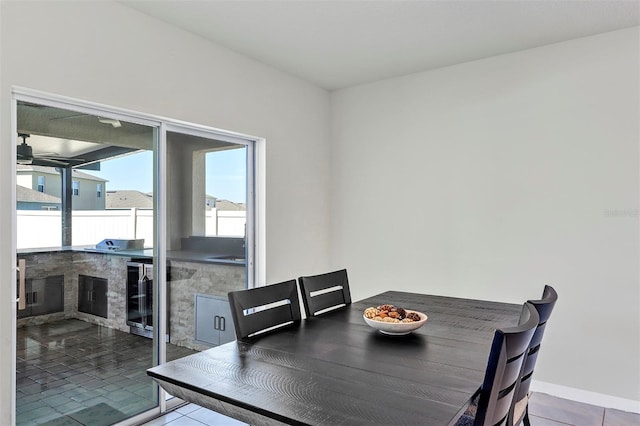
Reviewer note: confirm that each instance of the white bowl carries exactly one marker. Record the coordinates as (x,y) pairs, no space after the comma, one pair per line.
(397,328)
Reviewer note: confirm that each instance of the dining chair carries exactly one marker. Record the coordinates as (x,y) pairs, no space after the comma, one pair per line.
(325,292)
(520,406)
(506,357)
(264,309)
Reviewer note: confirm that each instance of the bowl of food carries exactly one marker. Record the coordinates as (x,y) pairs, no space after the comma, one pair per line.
(393,320)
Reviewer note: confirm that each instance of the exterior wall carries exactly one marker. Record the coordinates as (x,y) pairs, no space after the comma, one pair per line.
(72,264)
(520,170)
(87,198)
(37,206)
(25,180)
(189,278)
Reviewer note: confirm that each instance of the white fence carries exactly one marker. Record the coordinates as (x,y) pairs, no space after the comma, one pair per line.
(38,229)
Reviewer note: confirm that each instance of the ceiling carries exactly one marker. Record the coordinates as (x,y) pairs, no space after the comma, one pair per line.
(64,138)
(338,44)
(60,138)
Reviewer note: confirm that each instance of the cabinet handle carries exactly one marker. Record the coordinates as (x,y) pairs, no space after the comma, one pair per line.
(223,324)
(22,297)
(216,322)
(34,299)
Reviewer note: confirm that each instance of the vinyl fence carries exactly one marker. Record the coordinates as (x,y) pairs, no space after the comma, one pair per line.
(38,229)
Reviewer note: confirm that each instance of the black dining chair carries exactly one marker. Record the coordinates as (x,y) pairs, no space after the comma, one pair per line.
(506,357)
(325,292)
(264,309)
(520,406)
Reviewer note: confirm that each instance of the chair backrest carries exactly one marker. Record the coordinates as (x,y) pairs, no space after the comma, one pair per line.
(544,307)
(264,309)
(507,354)
(321,293)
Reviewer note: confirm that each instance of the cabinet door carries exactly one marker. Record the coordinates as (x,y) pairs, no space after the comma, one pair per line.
(227,330)
(92,295)
(206,308)
(85,286)
(99,301)
(47,295)
(214,324)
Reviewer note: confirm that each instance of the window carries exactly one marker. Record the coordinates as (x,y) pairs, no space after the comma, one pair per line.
(76,187)
(99,190)
(40,183)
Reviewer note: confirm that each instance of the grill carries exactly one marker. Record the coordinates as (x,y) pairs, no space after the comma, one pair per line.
(112,244)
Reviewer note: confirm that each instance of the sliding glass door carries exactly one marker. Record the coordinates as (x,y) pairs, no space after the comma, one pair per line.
(130,232)
(209,239)
(85,226)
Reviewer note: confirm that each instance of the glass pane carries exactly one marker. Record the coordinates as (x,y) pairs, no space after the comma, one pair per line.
(81,354)
(206,233)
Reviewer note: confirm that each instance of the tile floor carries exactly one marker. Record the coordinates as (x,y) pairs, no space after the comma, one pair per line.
(71,372)
(544,410)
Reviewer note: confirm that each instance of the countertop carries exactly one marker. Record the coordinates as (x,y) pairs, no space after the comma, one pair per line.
(175,255)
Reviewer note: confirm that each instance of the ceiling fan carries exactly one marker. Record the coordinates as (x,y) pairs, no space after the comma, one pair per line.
(52,159)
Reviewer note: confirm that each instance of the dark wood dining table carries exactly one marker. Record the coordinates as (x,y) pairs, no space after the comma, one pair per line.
(336,370)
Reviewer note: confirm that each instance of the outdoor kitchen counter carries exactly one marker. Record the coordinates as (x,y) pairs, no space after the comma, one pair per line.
(176,255)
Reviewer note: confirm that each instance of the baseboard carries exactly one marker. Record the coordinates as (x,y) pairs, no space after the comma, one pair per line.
(586,397)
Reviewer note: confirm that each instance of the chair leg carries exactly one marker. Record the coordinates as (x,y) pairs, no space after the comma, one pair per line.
(525,419)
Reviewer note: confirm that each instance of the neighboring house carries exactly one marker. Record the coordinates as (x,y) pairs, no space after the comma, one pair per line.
(88,190)
(129,199)
(28,199)
(226,205)
(210,202)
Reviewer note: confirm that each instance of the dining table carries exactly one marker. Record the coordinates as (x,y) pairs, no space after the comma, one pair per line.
(334,369)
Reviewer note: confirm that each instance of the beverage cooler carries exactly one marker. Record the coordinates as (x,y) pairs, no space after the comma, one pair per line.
(140,297)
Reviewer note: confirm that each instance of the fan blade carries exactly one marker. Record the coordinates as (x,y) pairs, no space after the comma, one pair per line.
(69,117)
(59,158)
(48,162)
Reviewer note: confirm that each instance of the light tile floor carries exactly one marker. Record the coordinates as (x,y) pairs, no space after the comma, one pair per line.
(544,410)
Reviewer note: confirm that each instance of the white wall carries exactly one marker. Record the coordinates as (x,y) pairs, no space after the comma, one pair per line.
(519,170)
(106,53)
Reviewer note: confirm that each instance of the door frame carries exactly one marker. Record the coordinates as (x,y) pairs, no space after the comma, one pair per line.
(256,221)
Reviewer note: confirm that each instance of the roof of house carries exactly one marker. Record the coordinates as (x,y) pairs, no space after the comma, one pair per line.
(229,205)
(28,195)
(53,171)
(128,199)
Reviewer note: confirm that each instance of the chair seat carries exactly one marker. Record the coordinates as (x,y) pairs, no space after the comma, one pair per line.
(466,420)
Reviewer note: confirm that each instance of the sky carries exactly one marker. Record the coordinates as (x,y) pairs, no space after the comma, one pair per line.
(226,173)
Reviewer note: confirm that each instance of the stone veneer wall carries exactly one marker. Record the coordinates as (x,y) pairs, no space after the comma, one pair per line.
(71,264)
(190,278)
(44,265)
(185,280)
(114,270)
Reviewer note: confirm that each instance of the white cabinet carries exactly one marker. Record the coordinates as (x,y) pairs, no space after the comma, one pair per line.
(214,323)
